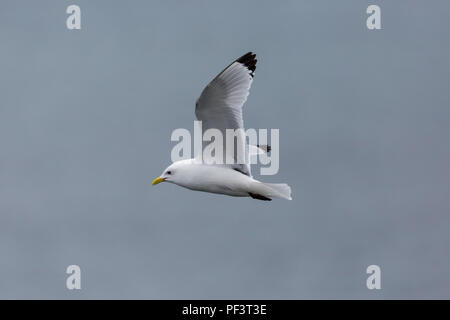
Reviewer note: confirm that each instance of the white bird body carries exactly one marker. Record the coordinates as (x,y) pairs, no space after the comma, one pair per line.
(220,107)
(220,179)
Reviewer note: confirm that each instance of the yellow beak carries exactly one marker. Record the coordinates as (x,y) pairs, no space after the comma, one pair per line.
(158,180)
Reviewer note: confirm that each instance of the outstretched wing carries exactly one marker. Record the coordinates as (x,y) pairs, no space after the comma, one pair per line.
(220,104)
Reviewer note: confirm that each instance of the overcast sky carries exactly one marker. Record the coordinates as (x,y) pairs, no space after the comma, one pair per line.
(85,123)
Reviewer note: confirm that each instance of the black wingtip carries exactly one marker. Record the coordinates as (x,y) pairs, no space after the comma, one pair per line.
(249,60)
(259,196)
(264,147)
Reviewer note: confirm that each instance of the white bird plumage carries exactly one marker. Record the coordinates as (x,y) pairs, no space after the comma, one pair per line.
(220,107)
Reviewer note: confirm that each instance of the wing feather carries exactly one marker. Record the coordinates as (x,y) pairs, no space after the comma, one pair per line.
(220,104)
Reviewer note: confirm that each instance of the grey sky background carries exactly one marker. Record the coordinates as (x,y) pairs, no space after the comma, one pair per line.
(85,124)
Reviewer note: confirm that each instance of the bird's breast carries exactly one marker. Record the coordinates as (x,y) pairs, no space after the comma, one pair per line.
(217,179)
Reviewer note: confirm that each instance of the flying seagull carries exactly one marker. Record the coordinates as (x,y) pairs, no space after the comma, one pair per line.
(220,107)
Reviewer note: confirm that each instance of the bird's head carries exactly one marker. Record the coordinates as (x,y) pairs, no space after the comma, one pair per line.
(175,173)
(167,175)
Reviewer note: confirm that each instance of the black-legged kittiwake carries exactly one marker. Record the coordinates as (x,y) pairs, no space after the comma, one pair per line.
(220,107)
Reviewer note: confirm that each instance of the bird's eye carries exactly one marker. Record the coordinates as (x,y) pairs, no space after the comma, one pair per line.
(169,172)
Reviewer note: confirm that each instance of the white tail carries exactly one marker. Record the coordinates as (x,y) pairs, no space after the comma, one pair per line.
(281,190)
